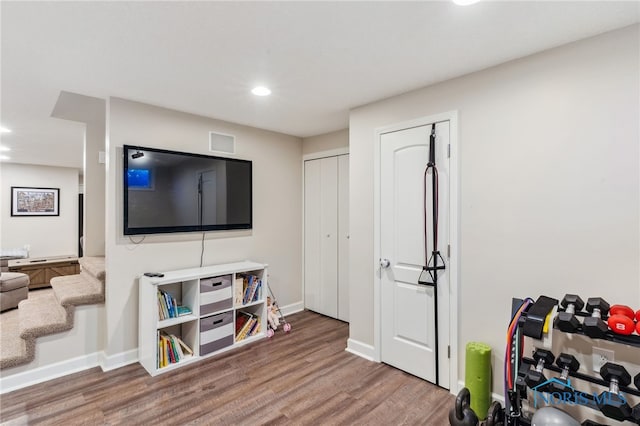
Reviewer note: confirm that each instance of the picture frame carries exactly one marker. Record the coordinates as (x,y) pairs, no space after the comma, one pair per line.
(31,201)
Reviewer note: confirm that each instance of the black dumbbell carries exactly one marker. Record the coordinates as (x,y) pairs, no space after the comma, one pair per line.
(566,321)
(610,402)
(461,414)
(569,364)
(535,377)
(636,381)
(593,326)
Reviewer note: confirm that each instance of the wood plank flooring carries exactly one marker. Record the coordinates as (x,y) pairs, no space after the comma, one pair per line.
(302,378)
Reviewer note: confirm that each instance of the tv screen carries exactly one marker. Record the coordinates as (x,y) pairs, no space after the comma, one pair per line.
(169,191)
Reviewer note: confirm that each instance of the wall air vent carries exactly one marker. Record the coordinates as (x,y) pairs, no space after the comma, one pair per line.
(220,142)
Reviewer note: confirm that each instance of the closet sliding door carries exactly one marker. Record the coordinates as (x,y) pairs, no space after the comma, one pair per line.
(326,236)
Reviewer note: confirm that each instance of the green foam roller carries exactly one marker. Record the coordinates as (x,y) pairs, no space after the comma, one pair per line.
(477,377)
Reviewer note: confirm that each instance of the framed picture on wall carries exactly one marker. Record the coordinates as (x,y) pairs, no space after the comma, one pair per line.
(27,201)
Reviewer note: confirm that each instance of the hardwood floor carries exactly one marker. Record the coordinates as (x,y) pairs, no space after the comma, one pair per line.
(301,378)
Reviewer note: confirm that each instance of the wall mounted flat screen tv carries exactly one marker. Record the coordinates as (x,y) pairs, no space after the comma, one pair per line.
(169,191)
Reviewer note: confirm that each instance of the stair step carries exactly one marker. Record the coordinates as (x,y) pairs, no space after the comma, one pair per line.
(13,349)
(81,289)
(39,317)
(93,266)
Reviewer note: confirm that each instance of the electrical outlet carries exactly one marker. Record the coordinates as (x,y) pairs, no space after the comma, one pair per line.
(601,357)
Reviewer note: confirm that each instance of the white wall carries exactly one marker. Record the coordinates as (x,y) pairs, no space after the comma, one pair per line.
(326,142)
(276,237)
(550,183)
(47,235)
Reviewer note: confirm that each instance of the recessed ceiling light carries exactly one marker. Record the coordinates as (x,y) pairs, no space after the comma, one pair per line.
(4,130)
(4,148)
(465,2)
(261,91)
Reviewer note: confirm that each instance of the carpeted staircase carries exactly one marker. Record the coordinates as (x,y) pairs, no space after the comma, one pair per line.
(49,311)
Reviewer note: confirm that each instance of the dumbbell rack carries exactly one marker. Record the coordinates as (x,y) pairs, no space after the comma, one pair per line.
(631,340)
(525,363)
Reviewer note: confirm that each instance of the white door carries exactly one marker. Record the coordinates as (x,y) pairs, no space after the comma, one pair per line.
(407,308)
(343,237)
(321,236)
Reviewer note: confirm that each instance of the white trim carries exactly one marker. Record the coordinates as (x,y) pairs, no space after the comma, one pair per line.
(10,382)
(325,154)
(37,375)
(360,349)
(111,362)
(292,308)
(454,237)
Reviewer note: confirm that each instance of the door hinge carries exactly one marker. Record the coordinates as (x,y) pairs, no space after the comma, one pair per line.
(449,151)
(448,251)
(449,351)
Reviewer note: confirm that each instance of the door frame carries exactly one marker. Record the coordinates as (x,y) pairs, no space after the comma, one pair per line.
(454,237)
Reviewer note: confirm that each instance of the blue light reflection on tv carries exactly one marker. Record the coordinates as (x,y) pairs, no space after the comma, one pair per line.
(139,178)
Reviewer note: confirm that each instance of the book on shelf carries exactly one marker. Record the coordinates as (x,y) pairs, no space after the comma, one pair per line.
(238,288)
(183,310)
(168,306)
(171,349)
(245,321)
(251,289)
(247,289)
(255,327)
(254,293)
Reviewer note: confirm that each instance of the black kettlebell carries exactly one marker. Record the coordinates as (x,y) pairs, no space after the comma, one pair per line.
(461,414)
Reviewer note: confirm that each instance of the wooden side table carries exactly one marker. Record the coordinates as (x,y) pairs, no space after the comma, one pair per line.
(42,269)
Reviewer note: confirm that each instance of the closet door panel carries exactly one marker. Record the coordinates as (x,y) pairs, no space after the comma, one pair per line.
(321,236)
(329,236)
(343,237)
(312,233)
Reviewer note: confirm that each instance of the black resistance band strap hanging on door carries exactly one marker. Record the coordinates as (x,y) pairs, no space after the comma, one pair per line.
(429,274)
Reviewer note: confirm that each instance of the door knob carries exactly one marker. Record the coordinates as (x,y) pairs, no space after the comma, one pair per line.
(385,263)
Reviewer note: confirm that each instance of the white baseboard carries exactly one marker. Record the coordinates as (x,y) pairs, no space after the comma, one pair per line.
(37,375)
(292,308)
(112,362)
(11,382)
(360,349)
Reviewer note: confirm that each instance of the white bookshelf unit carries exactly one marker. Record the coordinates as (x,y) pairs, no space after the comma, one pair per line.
(223,314)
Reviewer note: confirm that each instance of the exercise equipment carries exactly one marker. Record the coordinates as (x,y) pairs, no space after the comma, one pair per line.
(552,416)
(569,364)
(461,414)
(635,414)
(495,415)
(535,377)
(594,326)
(566,321)
(429,274)
(610,402)
(636,381)
(477,377)
(621,320)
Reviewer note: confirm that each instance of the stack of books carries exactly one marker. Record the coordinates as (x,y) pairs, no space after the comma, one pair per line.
(168,306)
(250,290)
(247,324)
(171,349)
